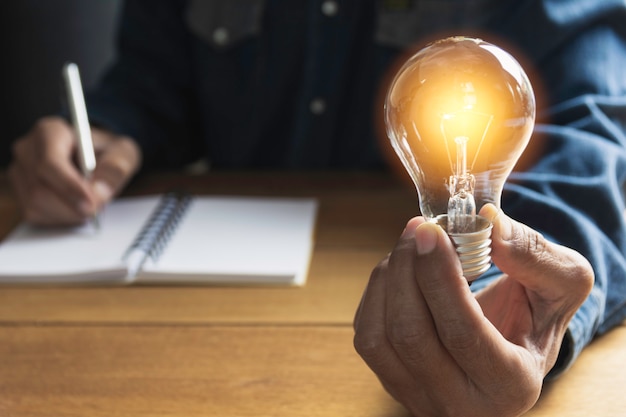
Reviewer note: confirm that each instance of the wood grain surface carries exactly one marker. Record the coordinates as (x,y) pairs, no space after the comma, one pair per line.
(240,351)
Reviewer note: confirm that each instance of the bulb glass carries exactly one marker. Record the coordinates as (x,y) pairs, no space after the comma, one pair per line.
(459,114)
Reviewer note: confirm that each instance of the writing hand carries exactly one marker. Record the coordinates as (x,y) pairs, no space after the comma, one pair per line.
(49,186)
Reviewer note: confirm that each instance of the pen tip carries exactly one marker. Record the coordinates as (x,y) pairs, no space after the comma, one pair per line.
(95,221)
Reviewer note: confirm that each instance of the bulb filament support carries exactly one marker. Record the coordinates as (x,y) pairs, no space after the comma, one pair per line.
(461,205)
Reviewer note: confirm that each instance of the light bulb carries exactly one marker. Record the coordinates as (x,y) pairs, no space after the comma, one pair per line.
(459,114)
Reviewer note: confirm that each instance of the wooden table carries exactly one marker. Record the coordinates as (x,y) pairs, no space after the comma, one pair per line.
(219,351)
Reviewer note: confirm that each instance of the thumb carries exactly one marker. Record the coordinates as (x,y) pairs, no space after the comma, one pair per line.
(538,264)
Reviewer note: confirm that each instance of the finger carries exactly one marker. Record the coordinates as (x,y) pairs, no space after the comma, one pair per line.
(44,159)
(38,203)
(409,322)
(357,314)
(370,338)
(556,280)
(118,160)
(476,346)
(56,147)
(551,270)
(385,262)
(448,296)
(49,210)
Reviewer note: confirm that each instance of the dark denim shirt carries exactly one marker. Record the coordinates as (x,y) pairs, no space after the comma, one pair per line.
(283,84)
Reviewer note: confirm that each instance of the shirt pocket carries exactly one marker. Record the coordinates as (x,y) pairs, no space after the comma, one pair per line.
(224,23)
(402,24)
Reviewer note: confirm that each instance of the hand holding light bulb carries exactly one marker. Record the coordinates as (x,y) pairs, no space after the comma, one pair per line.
(441,350)
(459,113)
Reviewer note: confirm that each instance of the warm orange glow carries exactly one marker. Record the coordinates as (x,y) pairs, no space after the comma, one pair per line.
(460,87)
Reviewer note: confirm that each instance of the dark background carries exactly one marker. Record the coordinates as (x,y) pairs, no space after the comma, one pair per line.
(36,38)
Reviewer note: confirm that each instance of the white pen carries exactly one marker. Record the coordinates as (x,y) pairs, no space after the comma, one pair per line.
(80,121)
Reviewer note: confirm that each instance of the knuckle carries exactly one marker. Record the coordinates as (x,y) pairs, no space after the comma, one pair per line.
(515,397)
(581,272)
(370,347)
(403,336)
(117,167)
(124,165)
(582,269)
(459,339)
(413,344)
(45,122)
(42,127)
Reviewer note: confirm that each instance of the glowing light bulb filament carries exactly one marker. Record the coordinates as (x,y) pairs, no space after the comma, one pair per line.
(461,155)
(461,205)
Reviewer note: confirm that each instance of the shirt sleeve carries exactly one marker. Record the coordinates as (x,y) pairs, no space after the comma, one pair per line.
(145,94)
(573,193)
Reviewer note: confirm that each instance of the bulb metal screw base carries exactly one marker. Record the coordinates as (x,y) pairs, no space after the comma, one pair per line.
(473,248)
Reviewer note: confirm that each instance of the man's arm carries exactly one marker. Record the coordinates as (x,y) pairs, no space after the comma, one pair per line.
(148,94)
(574,193)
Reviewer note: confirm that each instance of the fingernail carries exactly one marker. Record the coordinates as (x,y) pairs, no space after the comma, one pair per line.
(490,212)
(103,190)
(426,236)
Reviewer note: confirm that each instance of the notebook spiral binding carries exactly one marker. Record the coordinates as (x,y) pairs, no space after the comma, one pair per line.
(161,225)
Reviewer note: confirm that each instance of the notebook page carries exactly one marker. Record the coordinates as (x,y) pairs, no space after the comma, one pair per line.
(239,240)
(79,254)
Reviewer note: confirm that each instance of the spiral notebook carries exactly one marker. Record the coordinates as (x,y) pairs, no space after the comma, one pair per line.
(171,239)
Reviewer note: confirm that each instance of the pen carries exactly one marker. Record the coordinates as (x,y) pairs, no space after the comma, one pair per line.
(80,121)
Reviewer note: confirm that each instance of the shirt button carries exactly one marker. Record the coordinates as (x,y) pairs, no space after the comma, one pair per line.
(220,36)
(317,106)
(330,8)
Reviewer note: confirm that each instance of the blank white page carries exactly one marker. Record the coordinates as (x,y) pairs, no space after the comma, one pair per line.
(75,254)
(239,240)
